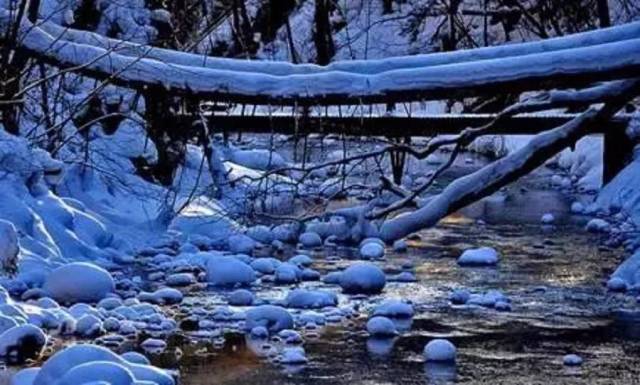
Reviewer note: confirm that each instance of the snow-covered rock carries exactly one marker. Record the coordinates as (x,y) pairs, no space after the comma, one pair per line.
(265,265)
(440,350)
(598,225)
(372,250)
(229,271)
(381,327)
(459,296)
(91,364)
(627,275)
(483,256)
(310,299)
(288,273)
(274,318)
(362,278)
(180,279)
(310,239)
(394,309)
(400,246)
(572,360)
(164,296)
(241,297)
(136,358)
(22,342)
(79,282)
(301,260)
(241,244)
(293,356)
(260,233)
(548,219)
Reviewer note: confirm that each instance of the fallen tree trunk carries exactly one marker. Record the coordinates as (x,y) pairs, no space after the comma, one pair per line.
(370,67)
(566,68)
(491,178)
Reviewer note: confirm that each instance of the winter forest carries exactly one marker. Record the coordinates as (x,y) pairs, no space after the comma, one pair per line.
(228,192)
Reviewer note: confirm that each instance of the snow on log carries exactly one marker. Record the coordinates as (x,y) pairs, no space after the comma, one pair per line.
(569,67)
(491,178)
(279,68)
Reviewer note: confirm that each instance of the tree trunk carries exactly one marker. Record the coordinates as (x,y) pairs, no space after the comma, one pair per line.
(387,6)
(13,64)
(325,49)
(603,13)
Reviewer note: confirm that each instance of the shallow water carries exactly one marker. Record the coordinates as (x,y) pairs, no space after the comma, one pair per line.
(554,277)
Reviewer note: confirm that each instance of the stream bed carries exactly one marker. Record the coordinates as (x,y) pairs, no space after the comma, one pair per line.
(553,275)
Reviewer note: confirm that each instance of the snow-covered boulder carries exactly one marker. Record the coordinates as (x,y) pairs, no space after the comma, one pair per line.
(265,265)
(627,275)
(261,233)
(483,256)
(381,327)
(372,250)
(79,282)
(287,232)
(400,246)
(440,350)
(310,299)
(598,225)
(274,318)
(394,308)
(362,278)
(241,297)
(136,358)
(91,364)
(288,273)
(164,296)
(22,342)
(293,356)
(310,239)
(301,260)
(8,246)
(241,244)
(180,279)
(229,271)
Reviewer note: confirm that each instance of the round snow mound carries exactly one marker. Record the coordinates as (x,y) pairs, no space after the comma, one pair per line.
(79,282)
(362,278)
(440,350)
(229,271)
(274,318)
